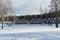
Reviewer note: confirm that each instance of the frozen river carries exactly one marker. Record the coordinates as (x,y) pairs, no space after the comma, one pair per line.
(30,32)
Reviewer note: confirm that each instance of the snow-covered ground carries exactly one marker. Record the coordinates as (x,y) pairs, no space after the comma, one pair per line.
(31,36)
(25,28)
(30,32)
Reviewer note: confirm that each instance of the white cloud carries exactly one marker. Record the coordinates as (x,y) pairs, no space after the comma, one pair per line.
(24,7)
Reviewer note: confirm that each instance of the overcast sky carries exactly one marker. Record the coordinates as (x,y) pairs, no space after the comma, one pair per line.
(29,7)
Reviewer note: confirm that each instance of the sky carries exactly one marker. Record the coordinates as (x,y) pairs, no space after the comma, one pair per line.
(29,7)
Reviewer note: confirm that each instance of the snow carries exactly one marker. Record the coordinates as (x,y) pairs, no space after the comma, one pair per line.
(32,36)
(27,28)
(6,38)
(29,32)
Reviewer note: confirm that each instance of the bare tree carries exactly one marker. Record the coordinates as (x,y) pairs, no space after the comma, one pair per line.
(5,10)
(54,8)
(41,10)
